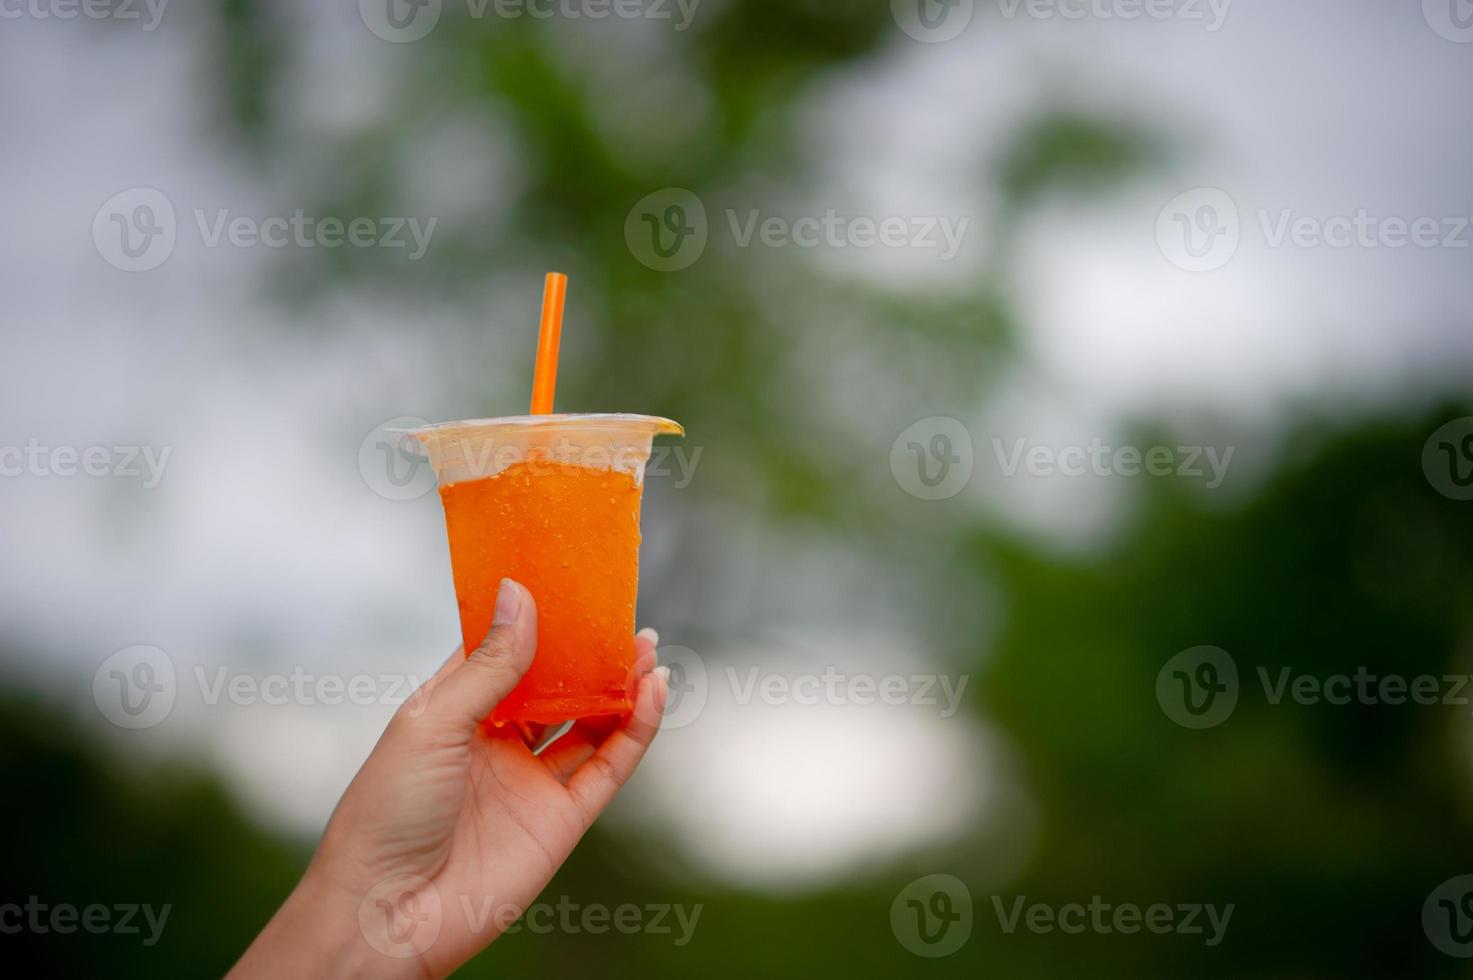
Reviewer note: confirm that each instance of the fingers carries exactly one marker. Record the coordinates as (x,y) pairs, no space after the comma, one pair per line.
(468,692)
(563,757)
(596,781)
(645,642)
(575,746)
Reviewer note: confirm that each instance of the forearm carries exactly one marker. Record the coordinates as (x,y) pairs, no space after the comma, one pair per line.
(316,933)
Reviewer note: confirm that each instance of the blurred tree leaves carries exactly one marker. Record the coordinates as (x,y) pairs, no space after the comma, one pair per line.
(1067,151)
(1326,826)
(1339,819)
(97,828)
(250,48)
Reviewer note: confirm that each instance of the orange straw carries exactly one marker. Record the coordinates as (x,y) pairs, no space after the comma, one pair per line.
(544,379)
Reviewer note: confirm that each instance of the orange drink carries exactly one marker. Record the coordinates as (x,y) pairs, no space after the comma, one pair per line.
(551,501)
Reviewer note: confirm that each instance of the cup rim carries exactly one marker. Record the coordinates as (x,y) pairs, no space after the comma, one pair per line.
(573,420)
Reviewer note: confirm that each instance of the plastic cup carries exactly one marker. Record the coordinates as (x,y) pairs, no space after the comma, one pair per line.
(551,501)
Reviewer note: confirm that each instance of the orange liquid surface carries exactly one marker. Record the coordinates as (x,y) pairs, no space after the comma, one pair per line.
(570,534)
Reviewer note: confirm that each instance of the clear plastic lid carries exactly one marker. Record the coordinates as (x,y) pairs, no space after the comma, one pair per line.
(475,449)
(606,420)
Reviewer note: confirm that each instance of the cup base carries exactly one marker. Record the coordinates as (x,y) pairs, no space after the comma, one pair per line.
(552,711)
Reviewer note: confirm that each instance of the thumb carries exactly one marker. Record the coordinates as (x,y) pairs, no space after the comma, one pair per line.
(489,674)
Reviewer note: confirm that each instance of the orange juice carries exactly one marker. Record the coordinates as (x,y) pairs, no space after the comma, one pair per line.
(551,501)
(570,534)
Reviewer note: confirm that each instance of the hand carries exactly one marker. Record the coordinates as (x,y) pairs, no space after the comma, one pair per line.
(452,828)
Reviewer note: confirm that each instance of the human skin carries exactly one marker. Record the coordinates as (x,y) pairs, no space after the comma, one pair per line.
(451,828)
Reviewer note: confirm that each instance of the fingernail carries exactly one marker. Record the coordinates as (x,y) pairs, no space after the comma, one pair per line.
(663,691)
(508,603)
(649,631)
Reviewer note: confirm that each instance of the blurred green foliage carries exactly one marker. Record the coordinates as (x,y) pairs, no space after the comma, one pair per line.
(1081,154)
(90,824)
(1326,826)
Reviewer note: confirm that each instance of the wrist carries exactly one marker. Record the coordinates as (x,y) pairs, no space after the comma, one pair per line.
(319,932)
